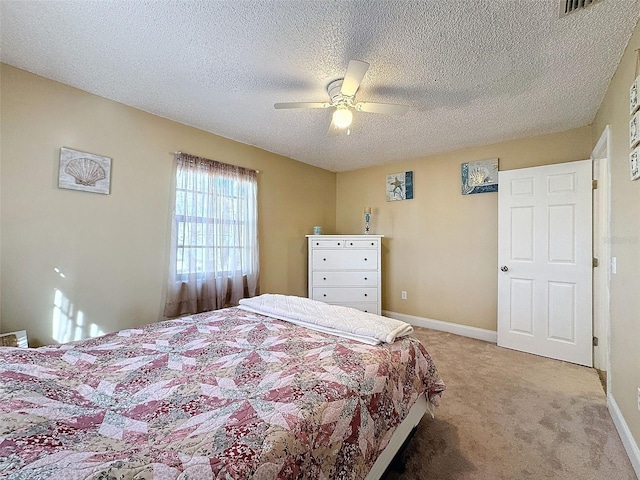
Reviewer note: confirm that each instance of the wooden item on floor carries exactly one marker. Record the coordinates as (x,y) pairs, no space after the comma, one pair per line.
(9,340)
(14,339)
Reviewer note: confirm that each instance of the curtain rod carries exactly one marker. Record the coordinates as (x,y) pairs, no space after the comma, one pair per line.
(257,171)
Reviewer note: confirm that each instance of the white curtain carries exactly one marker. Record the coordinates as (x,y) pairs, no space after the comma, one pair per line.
(214,239)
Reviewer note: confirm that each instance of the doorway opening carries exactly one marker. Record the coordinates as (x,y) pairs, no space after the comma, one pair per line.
(602,251)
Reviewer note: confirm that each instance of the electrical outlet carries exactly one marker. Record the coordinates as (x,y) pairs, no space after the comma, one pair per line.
(404,295)
(639,398)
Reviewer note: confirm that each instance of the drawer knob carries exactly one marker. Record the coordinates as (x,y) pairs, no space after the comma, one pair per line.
(324,294)
(365,259)
(366,278)
(317,243)
(339,243)
(365,294)
(324,259)
(350,243)
(372,244)
(324,278)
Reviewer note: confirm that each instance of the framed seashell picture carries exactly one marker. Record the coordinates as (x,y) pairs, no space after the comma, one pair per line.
(84,171)
(479,177)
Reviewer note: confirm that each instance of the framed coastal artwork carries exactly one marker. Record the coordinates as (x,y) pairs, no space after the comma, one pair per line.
(84,171)
(480,176)
(634,163)
(634,102)
(399,186)
(634,130)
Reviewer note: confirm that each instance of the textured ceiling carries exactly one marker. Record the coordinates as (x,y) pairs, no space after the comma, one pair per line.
(473,72)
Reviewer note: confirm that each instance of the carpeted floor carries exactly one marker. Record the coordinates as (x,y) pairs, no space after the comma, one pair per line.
(512,415)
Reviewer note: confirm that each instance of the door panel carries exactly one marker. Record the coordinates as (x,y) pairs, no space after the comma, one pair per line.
(544,252)
(562,234)
(522,240)
(521,318)
(562,316)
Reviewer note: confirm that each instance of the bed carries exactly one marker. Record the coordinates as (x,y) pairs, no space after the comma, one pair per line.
(230,394)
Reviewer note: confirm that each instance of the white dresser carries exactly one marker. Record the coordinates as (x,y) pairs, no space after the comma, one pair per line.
(346,270)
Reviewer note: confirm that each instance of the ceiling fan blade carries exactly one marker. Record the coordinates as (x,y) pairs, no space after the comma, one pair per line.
(301,105)
(355,73)
(384,108)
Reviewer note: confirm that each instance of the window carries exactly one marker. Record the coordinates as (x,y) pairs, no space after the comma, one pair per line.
(212,240)
(214,259)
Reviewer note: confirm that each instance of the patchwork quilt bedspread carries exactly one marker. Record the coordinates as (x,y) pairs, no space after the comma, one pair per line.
(222,395)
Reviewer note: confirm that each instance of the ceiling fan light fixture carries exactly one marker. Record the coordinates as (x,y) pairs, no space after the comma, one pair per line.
(342,93)
(342,117)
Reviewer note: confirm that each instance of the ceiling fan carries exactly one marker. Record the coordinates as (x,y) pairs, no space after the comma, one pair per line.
(342,94)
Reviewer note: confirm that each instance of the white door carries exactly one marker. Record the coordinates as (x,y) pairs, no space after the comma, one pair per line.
(545,261)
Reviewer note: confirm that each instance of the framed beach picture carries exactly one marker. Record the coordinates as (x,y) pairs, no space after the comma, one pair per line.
(479,177)
(84,171)
(399,186)
(634,130)
(634,163)
(634,103)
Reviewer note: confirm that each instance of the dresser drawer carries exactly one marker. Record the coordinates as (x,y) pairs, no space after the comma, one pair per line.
(373,243)
(345,279)
(362,306)
(344,259)
(335,243)
(344,295)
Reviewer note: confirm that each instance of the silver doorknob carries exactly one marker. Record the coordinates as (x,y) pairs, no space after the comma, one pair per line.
(504,268)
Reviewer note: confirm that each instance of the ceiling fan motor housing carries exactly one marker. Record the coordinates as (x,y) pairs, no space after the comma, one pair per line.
(336,96)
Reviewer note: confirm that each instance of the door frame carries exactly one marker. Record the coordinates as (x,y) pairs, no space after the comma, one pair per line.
(600,157)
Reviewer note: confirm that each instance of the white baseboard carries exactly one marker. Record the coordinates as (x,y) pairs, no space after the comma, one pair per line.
(628,441)
(464,330)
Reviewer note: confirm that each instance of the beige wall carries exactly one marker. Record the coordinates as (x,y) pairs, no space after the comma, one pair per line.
(441,247)
(113,249)
(625,241)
